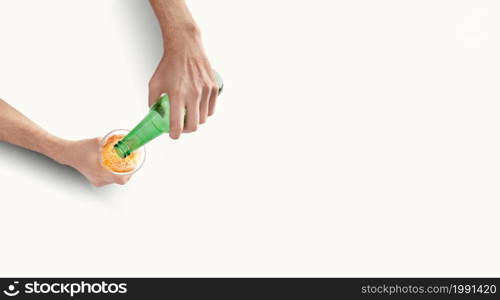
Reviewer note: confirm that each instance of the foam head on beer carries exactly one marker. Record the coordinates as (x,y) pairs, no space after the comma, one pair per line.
(112,161)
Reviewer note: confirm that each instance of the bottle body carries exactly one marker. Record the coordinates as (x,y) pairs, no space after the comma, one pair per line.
(156,122)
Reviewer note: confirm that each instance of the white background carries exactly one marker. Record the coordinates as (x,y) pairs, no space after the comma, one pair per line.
(354,138)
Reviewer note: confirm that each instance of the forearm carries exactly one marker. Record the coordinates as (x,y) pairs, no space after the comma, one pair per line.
(176,22)
(17,129)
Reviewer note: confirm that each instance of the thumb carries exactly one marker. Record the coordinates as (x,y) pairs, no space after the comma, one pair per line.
(154,94)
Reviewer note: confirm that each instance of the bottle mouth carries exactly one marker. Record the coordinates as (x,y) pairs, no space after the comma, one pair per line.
(141,153)
(121,149)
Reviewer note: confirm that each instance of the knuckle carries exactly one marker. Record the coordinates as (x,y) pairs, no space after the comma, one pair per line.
(175,95)
(153,81)
(215,89)
(197,93)
(196,100)
(207,88)
(155,90)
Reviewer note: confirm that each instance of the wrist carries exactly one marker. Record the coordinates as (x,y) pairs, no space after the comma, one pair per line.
(182,35)
(58,149)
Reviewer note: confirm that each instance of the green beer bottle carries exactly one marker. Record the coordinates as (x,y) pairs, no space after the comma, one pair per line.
(156,122)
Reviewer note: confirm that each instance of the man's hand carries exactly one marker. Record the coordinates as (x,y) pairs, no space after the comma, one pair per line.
(184,72)
(83,156)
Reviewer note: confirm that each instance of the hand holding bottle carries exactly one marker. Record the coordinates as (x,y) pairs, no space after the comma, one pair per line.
(184,72)
(190,83)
